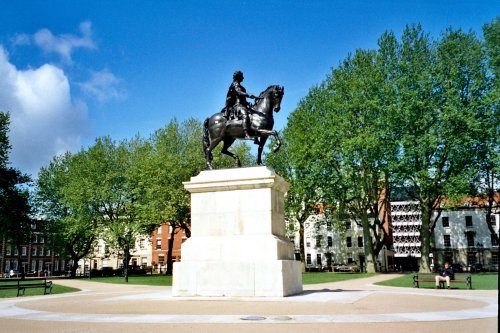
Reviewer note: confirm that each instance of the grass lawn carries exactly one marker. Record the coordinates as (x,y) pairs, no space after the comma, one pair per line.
(150,280)
(314,277)
(56,289)
(163,280)
(482,281)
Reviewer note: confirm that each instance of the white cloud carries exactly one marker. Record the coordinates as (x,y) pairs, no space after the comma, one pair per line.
(63,44)
(103,86)
(44,119)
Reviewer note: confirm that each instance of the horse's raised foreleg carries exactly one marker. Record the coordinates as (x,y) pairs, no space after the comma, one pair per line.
(265,133)
(227,143)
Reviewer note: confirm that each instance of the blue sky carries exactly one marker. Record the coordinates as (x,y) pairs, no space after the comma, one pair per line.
(71,71)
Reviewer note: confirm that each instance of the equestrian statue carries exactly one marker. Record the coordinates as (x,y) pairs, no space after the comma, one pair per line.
(242,120)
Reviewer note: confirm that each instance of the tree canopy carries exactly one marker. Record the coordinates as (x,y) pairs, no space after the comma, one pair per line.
(410,115)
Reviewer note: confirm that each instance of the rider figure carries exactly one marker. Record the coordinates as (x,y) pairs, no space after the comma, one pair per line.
(236,100)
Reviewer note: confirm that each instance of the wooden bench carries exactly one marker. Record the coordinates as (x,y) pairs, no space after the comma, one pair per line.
(458,278)
(23,284)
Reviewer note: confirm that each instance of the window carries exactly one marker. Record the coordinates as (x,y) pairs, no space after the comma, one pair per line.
(308,242)
(448,256)
(447,240)
(33,251)
(446,221)
(468,221)
(492,220)
(158,244)
(7,252)
(41,239)
(40,251)
(494,259)
(494,241)
(348,225)
(350,260)
(318,259)
(24,251)
(318,241)
(161,260)
(141,243)
(360,241)
(330,241)
(47,252)
(470,239)
(16,252)
(308,259)
(348,242)
(471,258)
(33,266)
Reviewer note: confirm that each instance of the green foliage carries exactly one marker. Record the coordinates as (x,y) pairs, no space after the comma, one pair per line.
(415,114)
(15,207)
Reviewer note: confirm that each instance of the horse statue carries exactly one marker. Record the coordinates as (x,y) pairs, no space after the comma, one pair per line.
(218,128)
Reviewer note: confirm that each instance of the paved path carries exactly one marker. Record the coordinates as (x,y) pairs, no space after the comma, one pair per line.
(349,306)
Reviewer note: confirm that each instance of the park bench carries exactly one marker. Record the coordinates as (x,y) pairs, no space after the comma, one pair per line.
(458,278)
(23,284)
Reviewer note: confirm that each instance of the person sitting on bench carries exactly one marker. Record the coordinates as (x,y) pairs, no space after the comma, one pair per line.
(445,274)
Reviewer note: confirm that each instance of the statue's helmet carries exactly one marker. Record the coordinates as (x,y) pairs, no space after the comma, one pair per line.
(238,75)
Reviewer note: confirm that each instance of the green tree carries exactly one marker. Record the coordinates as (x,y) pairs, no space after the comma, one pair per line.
(408,116)
(441,87)
(15,209)
(170,157)
(488,151)
(71,225)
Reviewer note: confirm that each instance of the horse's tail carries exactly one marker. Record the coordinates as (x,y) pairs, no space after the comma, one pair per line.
(206,136)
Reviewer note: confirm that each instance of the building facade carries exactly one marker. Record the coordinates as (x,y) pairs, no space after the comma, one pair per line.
(462,236)
(36,258)
(161,237)
(327,246)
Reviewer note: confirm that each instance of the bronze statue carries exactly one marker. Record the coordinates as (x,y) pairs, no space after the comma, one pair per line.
(225,126)
(236,102)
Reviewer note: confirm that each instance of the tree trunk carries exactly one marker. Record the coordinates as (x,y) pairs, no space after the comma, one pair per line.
(425,238)
(170,250)
(368,244)
(74,266)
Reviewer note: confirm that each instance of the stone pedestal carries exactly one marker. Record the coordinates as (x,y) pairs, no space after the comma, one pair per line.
(237,245)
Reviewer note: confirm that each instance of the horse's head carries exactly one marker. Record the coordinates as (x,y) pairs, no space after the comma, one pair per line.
(274,94)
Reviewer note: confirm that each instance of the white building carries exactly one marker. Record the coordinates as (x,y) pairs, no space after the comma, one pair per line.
(462,236)
(103,257)
(327,245)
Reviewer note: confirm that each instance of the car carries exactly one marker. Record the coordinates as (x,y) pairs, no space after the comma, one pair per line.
(457,268)
(476,268)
